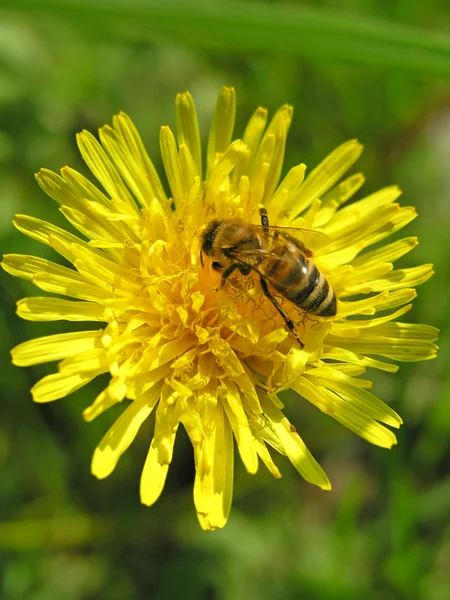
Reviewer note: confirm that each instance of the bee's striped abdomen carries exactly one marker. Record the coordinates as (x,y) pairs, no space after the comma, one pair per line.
(321,301)
(303,284)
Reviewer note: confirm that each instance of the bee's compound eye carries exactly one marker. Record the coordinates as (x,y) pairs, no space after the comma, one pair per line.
(209,236)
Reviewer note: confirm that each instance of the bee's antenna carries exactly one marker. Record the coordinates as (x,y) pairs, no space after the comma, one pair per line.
(264,217)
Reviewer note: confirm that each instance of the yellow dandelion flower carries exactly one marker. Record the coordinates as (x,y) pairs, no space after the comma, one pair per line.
(206,351)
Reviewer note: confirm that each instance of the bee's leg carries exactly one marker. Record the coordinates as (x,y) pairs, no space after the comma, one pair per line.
(263,387)
(201,259)
(244,269)
(289,322)
(217,266)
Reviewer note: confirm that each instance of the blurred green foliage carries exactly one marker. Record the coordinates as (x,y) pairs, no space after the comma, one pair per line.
(384,530)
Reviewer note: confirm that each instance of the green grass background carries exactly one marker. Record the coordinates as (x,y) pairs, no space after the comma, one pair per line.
(374,70)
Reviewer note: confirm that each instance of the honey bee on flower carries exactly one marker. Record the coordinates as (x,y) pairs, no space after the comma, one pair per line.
(281,262)
(203,327)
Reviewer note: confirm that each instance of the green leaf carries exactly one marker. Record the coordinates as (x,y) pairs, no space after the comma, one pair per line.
(314,34)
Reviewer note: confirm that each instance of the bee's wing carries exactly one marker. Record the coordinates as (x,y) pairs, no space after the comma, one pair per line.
(309,238)
(254,258)
(255,253)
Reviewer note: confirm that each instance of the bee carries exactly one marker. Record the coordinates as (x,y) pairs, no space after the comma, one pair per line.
(280,259)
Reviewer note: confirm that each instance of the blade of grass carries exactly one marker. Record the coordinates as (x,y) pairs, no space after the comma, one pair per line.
(261,28)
